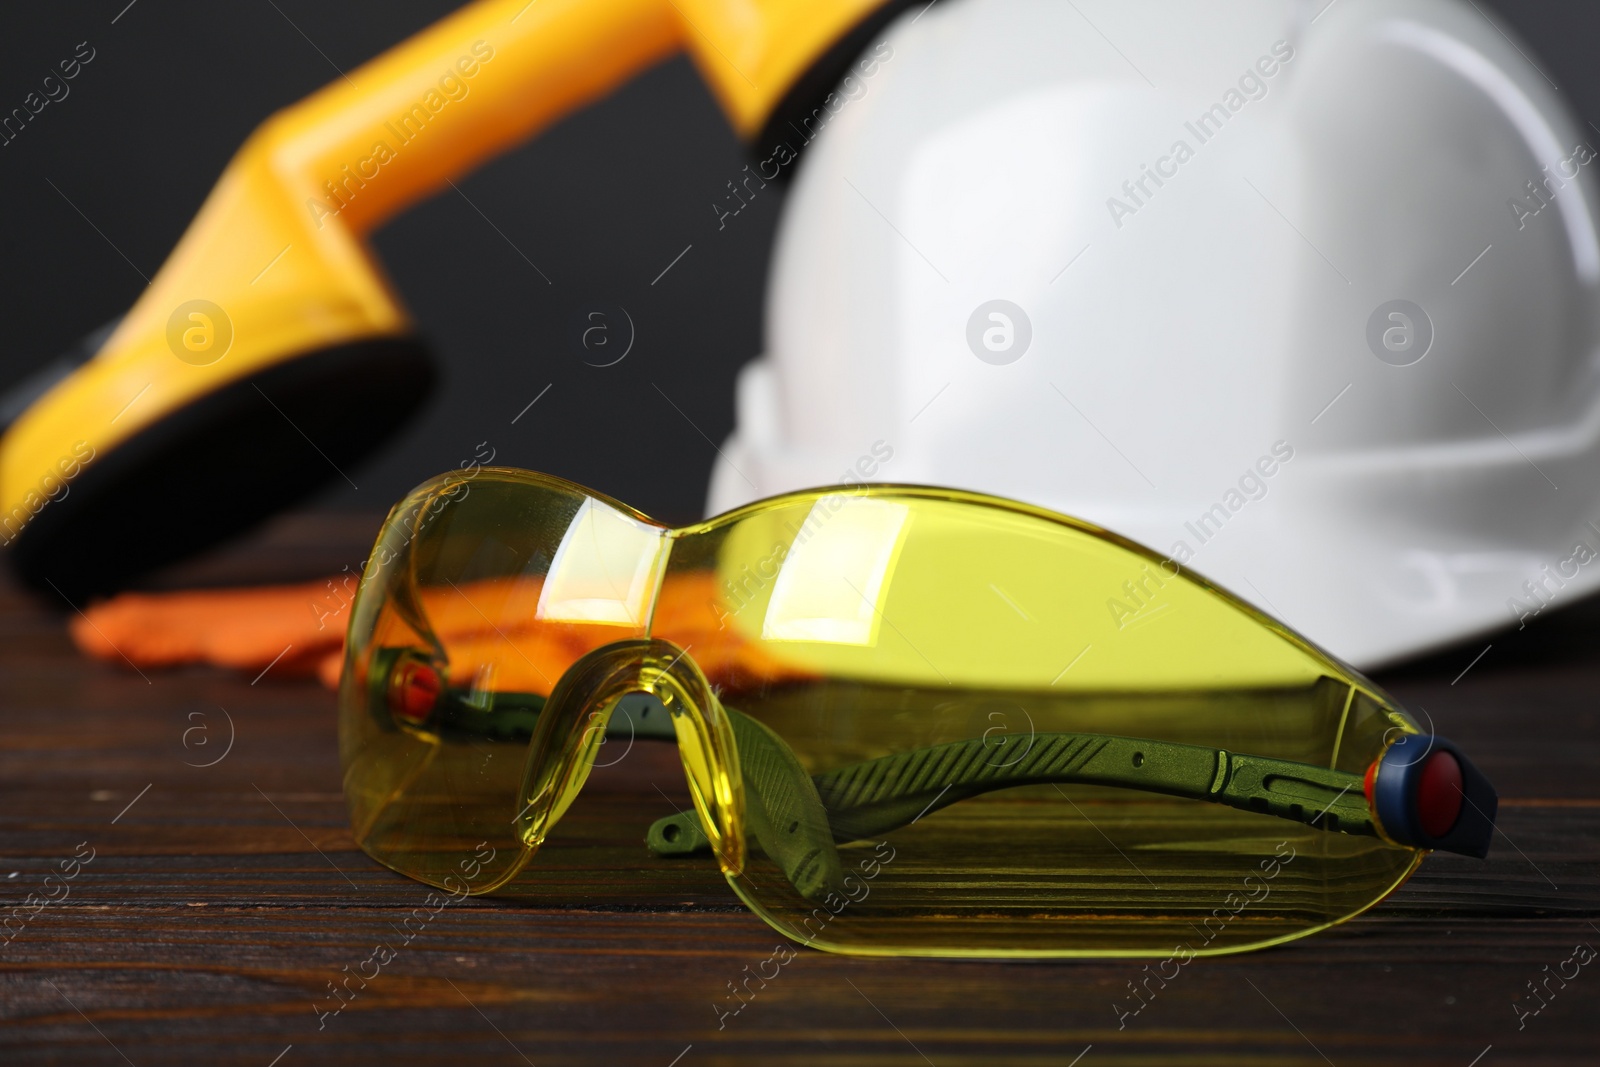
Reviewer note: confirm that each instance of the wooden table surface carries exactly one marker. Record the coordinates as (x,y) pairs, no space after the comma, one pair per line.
(222,900)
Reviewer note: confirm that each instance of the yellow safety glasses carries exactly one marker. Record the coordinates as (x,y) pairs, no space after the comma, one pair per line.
(914,721)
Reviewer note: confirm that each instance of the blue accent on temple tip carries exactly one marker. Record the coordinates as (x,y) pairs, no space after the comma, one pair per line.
(1395,798)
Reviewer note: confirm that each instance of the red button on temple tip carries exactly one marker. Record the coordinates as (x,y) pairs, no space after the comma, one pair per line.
(415,692)
(1439,794)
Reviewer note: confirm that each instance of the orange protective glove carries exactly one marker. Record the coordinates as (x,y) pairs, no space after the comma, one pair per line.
(295,629)
(299,630)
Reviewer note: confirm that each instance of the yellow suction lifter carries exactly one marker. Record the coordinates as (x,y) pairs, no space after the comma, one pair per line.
(270,348)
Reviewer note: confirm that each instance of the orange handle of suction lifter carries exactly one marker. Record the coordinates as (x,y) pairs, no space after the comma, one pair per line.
(275,264)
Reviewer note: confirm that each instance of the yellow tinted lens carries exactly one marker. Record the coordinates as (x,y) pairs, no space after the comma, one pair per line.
(458,635)
(917,651)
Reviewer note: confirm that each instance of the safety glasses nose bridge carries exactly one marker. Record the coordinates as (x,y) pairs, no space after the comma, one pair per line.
(573,724)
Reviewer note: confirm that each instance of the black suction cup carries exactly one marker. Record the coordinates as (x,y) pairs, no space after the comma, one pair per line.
(220,465)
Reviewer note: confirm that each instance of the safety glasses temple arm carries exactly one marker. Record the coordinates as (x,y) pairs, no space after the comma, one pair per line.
(875,797)
(864,794)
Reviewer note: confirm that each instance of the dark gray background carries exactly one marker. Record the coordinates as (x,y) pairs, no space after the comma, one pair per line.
(602,203)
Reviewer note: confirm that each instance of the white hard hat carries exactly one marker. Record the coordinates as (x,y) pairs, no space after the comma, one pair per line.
(1304,300)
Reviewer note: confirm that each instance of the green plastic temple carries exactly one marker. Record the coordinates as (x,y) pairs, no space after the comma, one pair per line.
(799,819)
